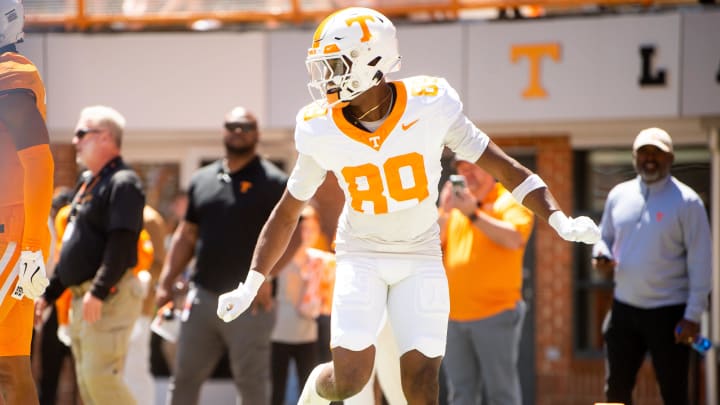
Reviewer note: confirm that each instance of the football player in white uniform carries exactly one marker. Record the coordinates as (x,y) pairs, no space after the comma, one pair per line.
(383,141)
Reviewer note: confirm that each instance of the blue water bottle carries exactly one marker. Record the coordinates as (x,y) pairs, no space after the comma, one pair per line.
(701,344)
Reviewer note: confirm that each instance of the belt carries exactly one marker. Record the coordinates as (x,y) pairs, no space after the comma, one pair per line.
(80,289)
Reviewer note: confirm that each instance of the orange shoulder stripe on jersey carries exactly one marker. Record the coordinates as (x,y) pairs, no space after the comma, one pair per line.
(145,252)
(374,139)
(313,110)
(38,167)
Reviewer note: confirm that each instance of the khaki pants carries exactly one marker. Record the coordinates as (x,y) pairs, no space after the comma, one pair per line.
(100,349)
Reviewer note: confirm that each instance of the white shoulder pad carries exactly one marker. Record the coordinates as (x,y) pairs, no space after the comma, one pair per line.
(436,91)
(306,121)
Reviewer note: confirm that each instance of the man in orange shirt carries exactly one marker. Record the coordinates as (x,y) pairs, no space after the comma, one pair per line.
(26,187)
(484,231)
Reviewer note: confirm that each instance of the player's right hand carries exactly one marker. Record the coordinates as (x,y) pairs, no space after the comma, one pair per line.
(33,279)
(233,303)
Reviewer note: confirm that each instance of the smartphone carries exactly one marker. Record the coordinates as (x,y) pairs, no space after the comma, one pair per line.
(458,183)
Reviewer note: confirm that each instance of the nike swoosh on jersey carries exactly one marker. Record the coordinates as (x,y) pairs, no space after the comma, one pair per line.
(407,126)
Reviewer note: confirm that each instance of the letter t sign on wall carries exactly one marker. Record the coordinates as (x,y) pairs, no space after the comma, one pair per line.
(535,53)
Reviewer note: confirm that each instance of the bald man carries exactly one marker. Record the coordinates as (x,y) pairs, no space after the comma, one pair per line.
(228,202)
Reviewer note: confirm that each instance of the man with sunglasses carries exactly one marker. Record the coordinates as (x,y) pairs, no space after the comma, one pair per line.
(26,186)
(228,202)
(99,249)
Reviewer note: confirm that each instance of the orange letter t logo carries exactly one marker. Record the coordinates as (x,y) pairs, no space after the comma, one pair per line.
(535,53)
(363,25)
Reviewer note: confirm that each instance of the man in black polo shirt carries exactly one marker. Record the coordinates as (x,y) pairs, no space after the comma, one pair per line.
(99,246)
(229,201)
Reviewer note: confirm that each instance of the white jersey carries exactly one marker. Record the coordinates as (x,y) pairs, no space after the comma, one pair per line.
(389,176)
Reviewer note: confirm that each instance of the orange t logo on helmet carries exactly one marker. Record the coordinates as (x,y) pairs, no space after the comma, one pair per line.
(361,19)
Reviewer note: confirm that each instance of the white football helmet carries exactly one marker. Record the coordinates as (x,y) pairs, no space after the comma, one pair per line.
(12,17)
(352,50)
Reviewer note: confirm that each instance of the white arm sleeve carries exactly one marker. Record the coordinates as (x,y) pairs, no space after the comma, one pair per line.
(306,177)
(463,137)
(466,140)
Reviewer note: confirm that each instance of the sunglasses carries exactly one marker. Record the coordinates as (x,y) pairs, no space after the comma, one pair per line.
(243,126)
(80,133)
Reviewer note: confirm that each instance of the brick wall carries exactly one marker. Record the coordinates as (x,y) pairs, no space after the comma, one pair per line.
(65,166)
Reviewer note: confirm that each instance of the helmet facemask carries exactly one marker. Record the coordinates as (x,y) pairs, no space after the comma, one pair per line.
(328,77)
(350,58)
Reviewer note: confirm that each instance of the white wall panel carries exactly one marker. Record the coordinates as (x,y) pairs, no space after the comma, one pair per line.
(701,64)
(597,76)
(288,76)
(435,50)
(158,81)
(165,82)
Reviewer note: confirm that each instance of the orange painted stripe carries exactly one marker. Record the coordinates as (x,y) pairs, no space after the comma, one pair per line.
(332,48)
(321,28)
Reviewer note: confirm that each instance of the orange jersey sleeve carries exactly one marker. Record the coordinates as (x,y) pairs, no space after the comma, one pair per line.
(28,173)
(62,306)
(61,219)
(38,168)
(145,252)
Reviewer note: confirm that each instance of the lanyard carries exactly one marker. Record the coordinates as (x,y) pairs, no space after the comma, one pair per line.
(87,186)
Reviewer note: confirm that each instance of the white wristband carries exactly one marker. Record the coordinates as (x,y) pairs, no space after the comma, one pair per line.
(253,281)
(531,182)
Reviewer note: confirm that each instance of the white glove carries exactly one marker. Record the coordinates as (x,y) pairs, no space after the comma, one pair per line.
(580,229)
(63,334)
(33,279)
(233,303)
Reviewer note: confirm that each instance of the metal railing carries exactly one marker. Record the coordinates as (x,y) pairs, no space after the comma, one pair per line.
(81,15)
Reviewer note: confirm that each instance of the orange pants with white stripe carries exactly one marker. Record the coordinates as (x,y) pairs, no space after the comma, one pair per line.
(16,315)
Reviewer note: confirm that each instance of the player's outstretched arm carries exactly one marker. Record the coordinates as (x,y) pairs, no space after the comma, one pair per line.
(20,116)
(271,245)
(529,189)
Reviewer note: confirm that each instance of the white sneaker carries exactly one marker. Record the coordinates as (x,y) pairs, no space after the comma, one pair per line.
(309,395)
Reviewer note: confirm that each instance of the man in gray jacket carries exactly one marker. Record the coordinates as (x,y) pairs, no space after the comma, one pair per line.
(656,239)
